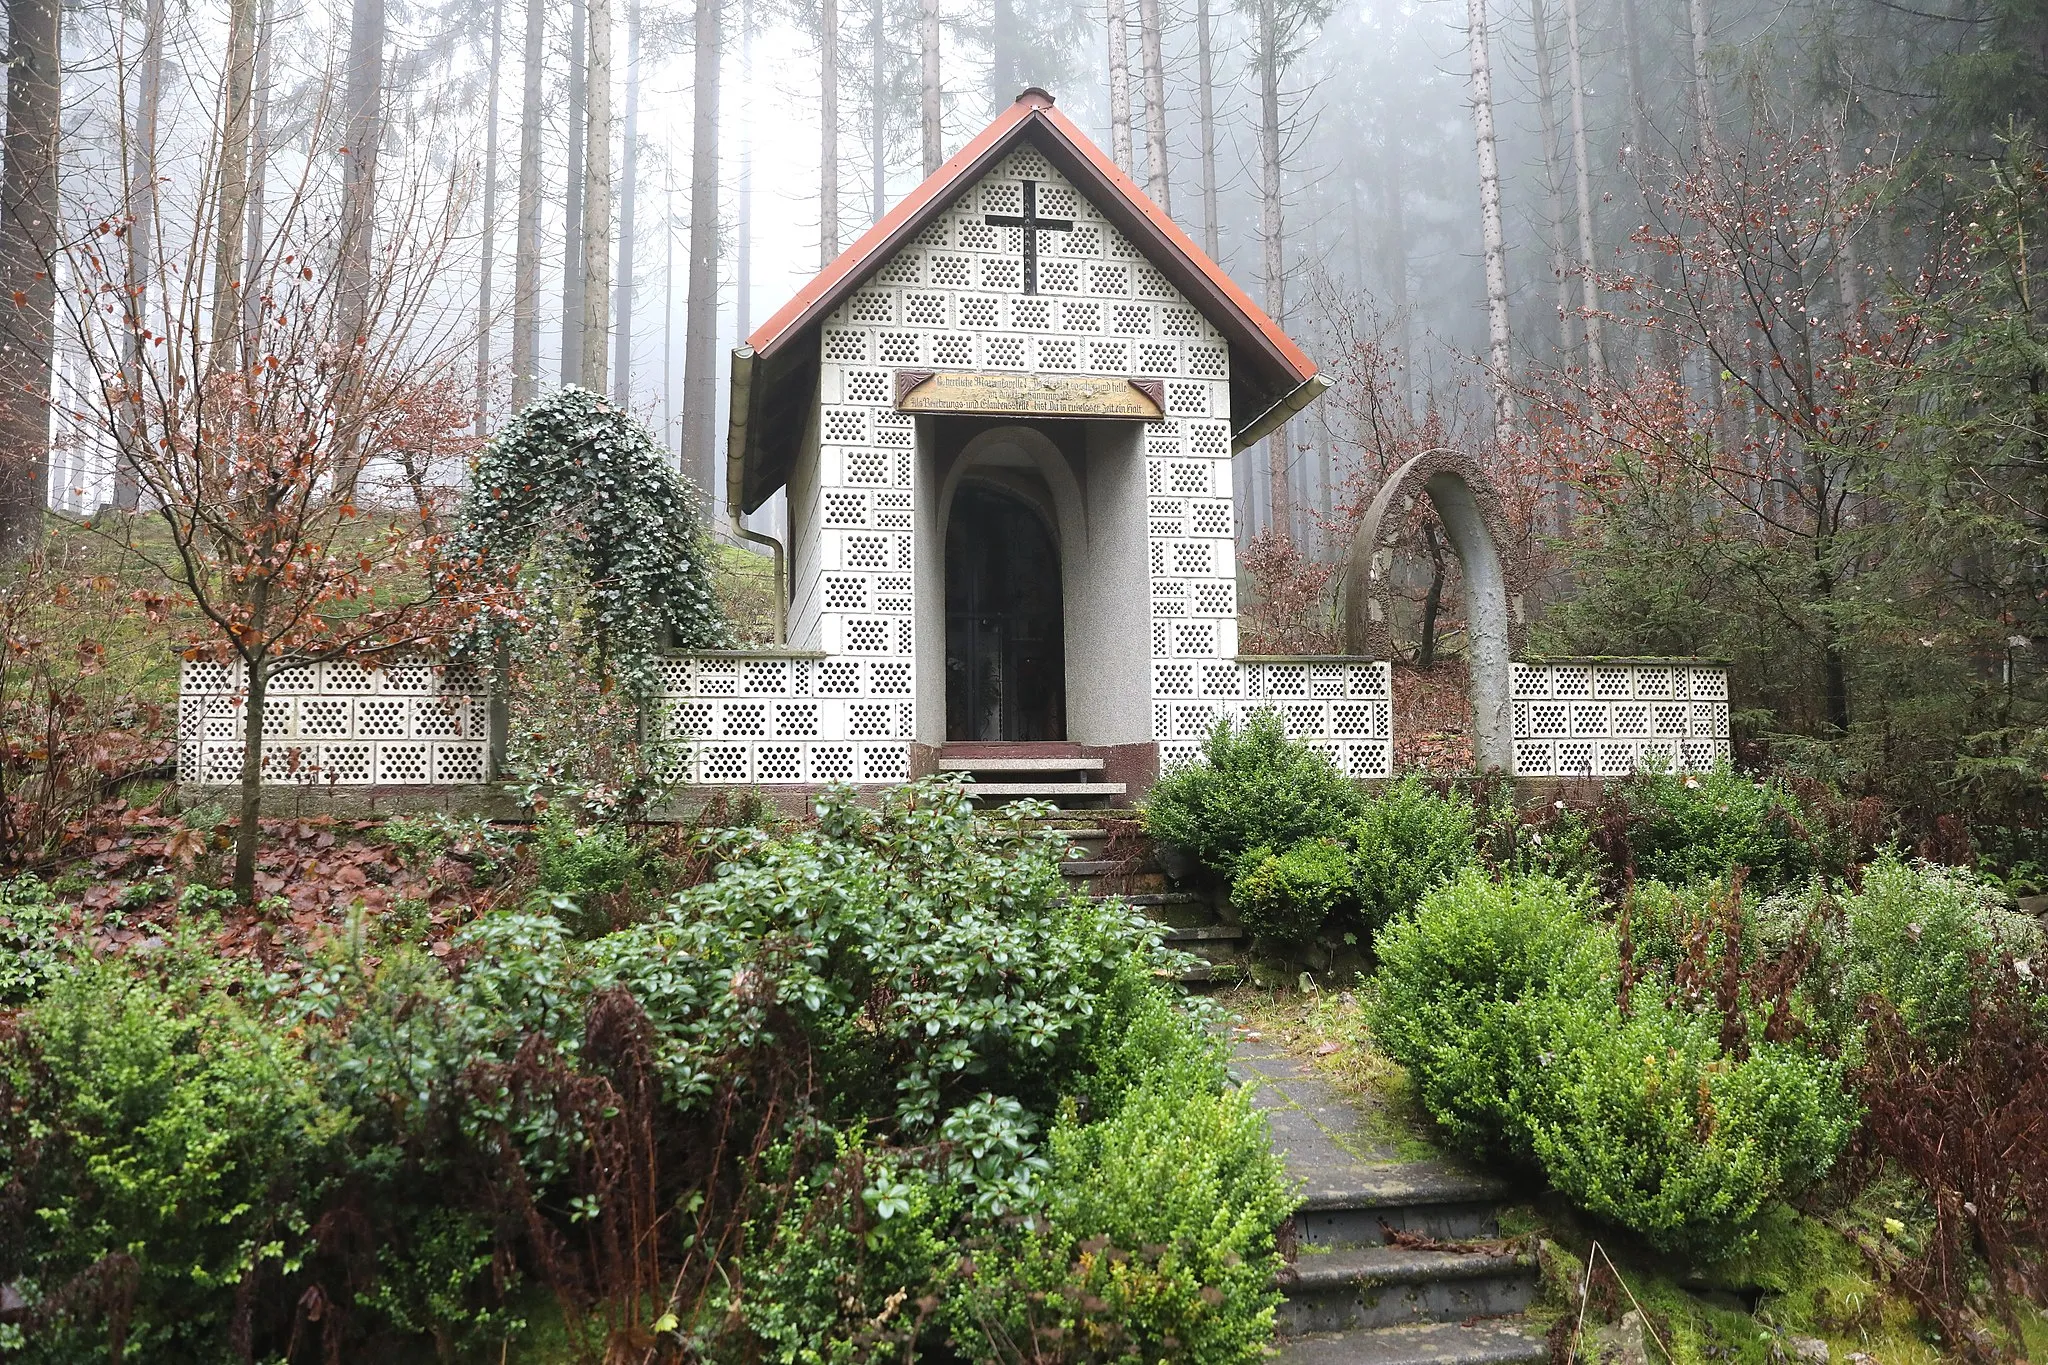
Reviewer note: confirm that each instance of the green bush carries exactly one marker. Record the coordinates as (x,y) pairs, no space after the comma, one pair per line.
(1476,988)
(32,951)
(1253,788)
(1645,1122)
(175,1158)
(1501,1001)
(1291,896)
(854,1266)
(1408,840)
(1923,937)
(1684,827)
(1157,1241)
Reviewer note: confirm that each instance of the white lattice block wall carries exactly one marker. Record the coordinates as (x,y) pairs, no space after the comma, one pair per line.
(776,719)
(1611,719)
(412,722)
(1344,708)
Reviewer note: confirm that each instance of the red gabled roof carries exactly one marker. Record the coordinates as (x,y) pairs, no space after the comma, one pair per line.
(1266,365)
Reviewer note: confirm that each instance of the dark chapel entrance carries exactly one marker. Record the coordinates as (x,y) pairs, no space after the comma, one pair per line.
(1005,639)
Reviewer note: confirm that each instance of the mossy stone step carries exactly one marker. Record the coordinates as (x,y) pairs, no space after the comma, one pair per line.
(1431,1343)
(1390,1286)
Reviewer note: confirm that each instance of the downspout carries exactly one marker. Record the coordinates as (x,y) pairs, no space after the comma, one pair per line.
(735,479)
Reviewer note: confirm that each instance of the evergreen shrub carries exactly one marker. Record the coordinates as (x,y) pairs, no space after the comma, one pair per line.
(1291,896)
(1408,840)
(1253,787)
(1501,1000)
(1682,827)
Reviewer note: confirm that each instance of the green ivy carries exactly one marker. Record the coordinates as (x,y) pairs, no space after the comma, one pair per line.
(572,466)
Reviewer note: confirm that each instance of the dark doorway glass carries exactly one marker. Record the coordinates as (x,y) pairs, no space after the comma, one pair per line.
(1005,648)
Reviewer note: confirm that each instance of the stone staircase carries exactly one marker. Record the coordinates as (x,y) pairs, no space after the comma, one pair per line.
(1390,1261)
(1101,865)
(1050,771)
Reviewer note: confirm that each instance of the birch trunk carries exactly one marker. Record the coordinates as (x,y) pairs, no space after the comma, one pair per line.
(141,196)
(1205,57)
(29,209)
(1117,27)
(700,320)
(622,358)
(928,43)
(489,248)
(828,131)
(231,199)
(1553,172)
(1490,222)
(526,244)
(1590,283)
(572,204)
(1149,43)
(597,199)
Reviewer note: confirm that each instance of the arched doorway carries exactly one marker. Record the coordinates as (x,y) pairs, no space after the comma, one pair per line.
(1005,633)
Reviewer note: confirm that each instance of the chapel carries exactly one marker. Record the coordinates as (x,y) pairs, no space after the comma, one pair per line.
(1005,418)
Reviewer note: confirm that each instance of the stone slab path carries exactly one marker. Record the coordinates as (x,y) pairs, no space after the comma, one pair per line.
(1359,1290)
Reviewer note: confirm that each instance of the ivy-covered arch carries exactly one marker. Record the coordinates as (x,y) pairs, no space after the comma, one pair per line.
(574,466)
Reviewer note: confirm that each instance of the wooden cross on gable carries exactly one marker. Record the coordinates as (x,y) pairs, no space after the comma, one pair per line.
(1032,225)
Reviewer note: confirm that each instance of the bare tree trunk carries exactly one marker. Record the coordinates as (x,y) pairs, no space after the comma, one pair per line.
(1118,30)
(141,195)
(1149,42)
(622,358)
(1849,294)
(572,202)
(1638,163)
(526,247)
(364,130)
(1702,82)
(1591,284)
(259,172)
(1490,223)
(1553,173)
(1394,249)
(597,199)
(1002,57)
(1205,55)
(29,209)
(671,439)
(247,828)
(828,131)
(700,323)
(490,243)
(1278,451)
(928,42)
(231,197)
(743,229)
(878,111)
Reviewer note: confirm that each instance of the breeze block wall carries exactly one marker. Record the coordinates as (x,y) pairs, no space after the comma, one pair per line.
(1342,707)
(408,723)
(1610,718)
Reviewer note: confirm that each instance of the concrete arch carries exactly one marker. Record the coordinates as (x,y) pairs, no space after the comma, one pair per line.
(994,449)
(1495,580)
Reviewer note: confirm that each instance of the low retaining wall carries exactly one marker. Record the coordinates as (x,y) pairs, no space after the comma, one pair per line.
(1612,717)
(794,719)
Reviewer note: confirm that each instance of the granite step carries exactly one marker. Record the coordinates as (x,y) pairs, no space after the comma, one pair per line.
(1391,1286)
(1429,1343)
(1391,1262)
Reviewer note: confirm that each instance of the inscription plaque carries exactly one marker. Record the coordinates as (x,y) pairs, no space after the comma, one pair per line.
(1003,394)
